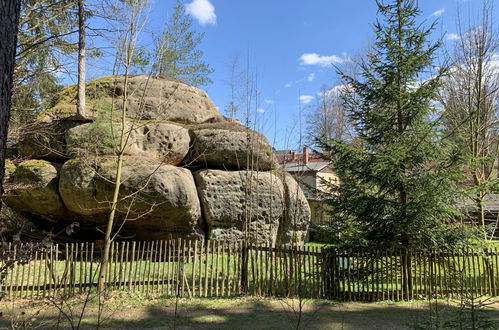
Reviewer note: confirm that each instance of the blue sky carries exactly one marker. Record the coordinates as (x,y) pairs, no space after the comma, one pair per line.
(291,44)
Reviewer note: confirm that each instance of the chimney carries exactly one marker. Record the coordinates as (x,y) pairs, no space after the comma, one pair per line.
(305,155)
(292,155)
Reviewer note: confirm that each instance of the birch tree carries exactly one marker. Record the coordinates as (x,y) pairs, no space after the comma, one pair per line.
(328,117)
(80,107)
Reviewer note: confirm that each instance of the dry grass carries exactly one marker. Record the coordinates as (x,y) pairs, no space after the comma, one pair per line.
(136,312)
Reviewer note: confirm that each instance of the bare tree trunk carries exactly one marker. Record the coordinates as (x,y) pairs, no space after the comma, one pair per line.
(470,98)
(117,186)
(80,109)
(129,44)
(9,19)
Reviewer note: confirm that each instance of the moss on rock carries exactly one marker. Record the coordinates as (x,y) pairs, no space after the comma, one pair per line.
(32,189)
(64,103)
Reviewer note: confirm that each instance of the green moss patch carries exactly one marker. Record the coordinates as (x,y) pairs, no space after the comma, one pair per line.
(9,166)
(33,164)
(64,104)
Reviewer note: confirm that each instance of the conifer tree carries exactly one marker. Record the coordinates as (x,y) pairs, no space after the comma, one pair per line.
(43,42)
(176,50)
(400,182)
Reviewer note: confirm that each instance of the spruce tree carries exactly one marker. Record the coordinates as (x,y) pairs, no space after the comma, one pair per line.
(400,182)
(45,28)
(176,50)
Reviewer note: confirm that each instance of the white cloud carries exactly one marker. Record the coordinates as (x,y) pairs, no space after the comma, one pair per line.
(288,85)
(316,59)
(491,68)
(260,110)
(203,11)
(494,64)
(452,36)
(438,12)
(268,101)
(305,99)
(334,92)
(311,77)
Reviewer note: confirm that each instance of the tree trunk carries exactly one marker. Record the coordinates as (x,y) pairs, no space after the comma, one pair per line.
(9,19)
(481,215)
(244,269)
(80,108)
(406,261)
(117,186)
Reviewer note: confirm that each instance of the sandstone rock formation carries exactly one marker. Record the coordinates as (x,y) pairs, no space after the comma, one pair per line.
(155,197)
(238,201)
(149,98)
(188,171)
(233,148)
(32,187)
(294,224)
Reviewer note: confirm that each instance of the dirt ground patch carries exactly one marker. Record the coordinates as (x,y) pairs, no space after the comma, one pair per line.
(124,311)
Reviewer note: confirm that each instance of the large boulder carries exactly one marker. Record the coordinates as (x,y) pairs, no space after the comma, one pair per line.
(294,224)
(154,197)
(10,167)
(162,141)
(165,142)
(149,98)
(31,188)
(231,147)
(44,140)
(239,202)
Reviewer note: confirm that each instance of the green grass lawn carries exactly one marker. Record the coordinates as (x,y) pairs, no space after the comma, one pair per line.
(220,274)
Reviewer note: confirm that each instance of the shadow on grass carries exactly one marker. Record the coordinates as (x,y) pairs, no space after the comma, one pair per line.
(268,314)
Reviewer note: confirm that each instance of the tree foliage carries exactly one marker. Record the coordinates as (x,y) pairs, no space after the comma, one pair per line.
(400,182)
(176,50)
(44,28)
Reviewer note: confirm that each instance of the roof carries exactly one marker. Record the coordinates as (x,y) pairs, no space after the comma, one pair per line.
(309,167)
(491,202)
(291,157)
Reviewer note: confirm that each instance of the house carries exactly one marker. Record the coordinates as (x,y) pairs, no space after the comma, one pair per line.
(313,173)
(491,213)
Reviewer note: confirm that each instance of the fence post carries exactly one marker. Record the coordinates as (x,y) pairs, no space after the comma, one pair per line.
(330,274)
(489,272)
(244,268)
(326,273)
(406,274)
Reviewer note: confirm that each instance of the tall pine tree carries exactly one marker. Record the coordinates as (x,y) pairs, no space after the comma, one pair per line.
(176,50)
(399,184)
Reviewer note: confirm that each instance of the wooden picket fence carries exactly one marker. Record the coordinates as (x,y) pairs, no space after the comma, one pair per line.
(220,269)
(410,274)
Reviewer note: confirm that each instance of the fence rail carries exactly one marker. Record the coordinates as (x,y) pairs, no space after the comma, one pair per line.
(218,269)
